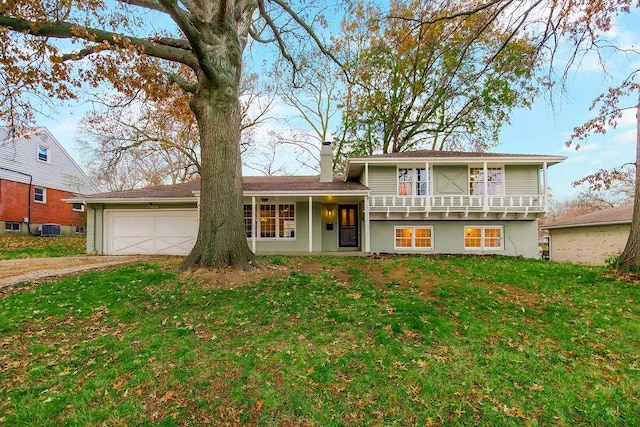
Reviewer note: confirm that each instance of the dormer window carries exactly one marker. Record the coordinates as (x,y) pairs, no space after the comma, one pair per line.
(43,154)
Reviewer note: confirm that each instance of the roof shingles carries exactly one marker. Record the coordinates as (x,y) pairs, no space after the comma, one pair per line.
(618,214)
(250,184)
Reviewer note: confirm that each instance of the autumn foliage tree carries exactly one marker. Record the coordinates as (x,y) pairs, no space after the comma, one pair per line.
(446,84)
(52,48)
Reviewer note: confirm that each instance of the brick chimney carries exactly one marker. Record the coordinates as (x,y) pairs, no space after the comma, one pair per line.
(326,162)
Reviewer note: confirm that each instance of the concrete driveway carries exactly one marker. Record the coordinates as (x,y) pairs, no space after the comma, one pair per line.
(31,269)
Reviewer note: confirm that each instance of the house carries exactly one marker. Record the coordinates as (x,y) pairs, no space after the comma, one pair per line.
(591,238)
(413,202)
(36,174)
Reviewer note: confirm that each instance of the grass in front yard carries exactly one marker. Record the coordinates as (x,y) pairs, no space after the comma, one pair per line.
(12,247)
(328,341)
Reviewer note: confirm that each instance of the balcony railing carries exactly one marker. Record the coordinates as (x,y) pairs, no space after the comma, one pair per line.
(456,203)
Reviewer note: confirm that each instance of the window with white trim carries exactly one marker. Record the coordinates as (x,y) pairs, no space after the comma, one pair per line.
(78,207)
(40,194)
(483,237)
(12,226)
(248,217)
(43,153)
(81,230)
(494,181)
(413,181)
(275,221)
(415,238)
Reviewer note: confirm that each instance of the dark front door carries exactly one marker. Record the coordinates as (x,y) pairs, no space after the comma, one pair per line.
(348,226)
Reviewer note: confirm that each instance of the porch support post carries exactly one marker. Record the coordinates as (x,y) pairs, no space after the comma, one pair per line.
(253,224)
(546,187)
(366,174)
(367,228)
(486,186)
(310,223)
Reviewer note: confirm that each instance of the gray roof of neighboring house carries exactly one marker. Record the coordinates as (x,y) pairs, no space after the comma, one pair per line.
(265,184)
(618,215)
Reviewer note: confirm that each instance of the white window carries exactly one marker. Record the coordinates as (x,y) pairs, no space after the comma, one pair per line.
(78,207)
(276,221)
(413,181)
(416,238)
(483,237)
(40,194)
(248,214)
(43,153)
(494,181)
(11,226)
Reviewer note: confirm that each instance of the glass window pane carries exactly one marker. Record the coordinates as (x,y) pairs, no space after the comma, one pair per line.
(472,237)
(268,221)
(423,238)
(286,221)
(405,180)
(43,153)
(421,181)
(403,237)
(248,210)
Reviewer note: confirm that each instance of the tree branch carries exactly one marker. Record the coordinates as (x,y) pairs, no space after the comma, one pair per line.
(184,20)
(67,30)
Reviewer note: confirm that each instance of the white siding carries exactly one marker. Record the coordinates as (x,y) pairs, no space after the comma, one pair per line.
(61,172)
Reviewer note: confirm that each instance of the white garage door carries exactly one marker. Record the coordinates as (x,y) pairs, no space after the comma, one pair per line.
(168,232)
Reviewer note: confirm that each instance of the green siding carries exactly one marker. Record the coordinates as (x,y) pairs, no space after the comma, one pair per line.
(520,237)
(451,180)
(95,229)
(521,180)
(383,180)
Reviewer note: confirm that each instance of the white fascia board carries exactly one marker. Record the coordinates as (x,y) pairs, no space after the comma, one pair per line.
(305,193)
(90,201)
(457,160)
(196,193)
(505,160)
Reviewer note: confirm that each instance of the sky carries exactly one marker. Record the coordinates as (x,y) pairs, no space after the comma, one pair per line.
(543,129)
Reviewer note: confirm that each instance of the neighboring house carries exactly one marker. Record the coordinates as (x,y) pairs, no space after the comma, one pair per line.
(591,238)
(36,174)
(413,202)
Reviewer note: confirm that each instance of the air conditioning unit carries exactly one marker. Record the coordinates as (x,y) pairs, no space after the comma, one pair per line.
(50,230)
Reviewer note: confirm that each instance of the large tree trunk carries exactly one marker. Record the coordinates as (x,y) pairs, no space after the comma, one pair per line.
(630,257)
(221,238)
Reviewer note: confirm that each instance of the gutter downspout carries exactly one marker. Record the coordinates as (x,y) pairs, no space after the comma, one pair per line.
(28,198)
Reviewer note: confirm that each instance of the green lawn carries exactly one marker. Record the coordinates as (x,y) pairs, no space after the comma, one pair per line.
(35,247)
(326,341)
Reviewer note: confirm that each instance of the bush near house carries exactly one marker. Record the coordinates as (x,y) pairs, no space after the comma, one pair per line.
(34,247)
(411,340)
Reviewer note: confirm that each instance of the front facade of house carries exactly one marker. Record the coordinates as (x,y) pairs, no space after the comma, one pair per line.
(590,239)
(416,202)
(36,175)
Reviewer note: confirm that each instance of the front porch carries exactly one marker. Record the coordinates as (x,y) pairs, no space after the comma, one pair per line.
(313,225)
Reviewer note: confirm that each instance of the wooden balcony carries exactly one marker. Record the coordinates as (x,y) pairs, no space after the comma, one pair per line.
(465,204)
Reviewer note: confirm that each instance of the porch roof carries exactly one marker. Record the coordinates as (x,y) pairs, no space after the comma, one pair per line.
(252,185)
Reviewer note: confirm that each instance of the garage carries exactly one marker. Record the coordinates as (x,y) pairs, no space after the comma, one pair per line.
(145,232)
